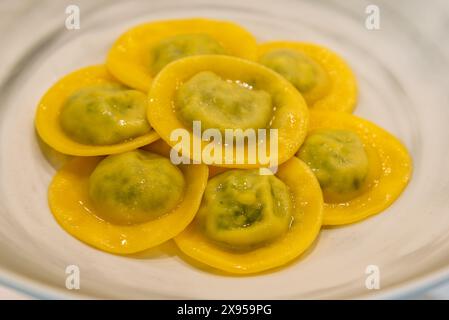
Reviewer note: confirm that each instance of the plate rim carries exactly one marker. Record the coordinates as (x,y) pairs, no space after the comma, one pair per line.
(408,288)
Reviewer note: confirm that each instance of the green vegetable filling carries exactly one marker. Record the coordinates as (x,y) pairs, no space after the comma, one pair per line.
(135,187)
(183,45)
(304,73)
(104,115)
(222,104)
(339,161)
(242,209)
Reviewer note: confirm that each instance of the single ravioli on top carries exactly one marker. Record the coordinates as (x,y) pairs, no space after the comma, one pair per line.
(249,223)
(89,113)
(140,53)
(324,79)
(227,93)
(362,169)
(128,202)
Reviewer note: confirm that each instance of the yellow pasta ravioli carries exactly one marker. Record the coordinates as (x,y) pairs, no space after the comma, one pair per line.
(222,92)
(141,52)
(362,169)
(324,78)
(249,223)
(128,202)
(89,113)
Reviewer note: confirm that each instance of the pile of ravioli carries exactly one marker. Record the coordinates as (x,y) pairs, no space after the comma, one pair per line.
(108,130)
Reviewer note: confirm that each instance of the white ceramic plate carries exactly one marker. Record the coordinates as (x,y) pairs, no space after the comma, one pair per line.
(402,73)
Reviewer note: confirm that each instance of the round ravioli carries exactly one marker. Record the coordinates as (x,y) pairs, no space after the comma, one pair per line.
(248,224)
(140,53)
(89,113)
(323,78)
(221,93)
(128,202)
(361,168)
